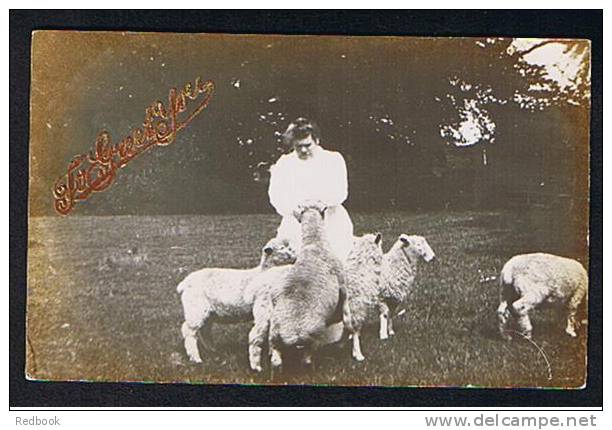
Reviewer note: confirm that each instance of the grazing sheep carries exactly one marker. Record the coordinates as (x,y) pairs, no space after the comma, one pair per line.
(224,295)
(529,280)
(311,296)
(363,285)
(399,270)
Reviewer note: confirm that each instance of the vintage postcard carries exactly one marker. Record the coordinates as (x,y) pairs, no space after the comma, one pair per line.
(351,211)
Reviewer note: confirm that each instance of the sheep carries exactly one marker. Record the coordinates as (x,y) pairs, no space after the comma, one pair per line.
(311,296)
(363,285)
(362,278)
(224,295)
(380,285)
(528,280)
(374,282)
(262,309)
(399,269)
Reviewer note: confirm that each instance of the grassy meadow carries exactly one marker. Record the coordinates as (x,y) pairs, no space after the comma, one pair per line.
(102,304)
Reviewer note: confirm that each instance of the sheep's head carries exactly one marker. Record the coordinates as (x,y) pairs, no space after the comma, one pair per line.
(416,246)
(277,252)
(310,206)
(366,252)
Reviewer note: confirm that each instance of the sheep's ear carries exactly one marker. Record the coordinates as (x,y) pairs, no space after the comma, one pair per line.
(378,238)
(268,250)
(405,240)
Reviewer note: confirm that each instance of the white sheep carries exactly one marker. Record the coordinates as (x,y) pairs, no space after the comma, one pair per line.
(262,309)
(529,280)
(399,269)
(362,281)
(311,296)
(375,289)
(363,270)
(224,295)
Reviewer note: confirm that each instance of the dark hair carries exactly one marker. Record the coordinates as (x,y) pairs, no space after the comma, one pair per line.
(299,129)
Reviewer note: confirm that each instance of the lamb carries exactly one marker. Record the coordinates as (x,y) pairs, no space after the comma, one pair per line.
(399,269)
(225,295)
(528,280)
(311,296)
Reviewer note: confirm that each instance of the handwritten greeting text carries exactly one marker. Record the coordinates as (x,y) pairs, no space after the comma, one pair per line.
(95,172)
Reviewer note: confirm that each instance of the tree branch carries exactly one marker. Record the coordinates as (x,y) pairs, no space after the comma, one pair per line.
(539,45)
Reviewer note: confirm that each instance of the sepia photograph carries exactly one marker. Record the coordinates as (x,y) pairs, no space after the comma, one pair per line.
(354,211)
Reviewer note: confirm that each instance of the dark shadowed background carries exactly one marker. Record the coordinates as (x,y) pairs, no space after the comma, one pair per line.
(383,102)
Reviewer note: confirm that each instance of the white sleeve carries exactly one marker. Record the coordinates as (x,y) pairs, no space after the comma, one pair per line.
(336,191)
(280,196)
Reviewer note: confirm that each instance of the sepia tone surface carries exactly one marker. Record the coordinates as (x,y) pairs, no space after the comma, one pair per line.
(480,145)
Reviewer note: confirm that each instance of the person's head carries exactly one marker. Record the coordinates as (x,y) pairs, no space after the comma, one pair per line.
(302,135)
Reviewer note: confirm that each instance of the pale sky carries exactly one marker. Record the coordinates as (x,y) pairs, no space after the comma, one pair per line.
(561,64)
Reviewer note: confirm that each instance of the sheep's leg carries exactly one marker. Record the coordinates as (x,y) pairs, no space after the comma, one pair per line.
(276,359)
(197,312)
(257,338)
(503,315)
(307,358)
(573,304)
(524,323)
(384,317)
(521,309)
(260,332)
(357,355)
(274,343)
(347,317)
(191,342)
(384,327)
(570,328)
(390,330)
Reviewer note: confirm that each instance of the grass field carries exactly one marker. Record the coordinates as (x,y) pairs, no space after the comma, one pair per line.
(98,313)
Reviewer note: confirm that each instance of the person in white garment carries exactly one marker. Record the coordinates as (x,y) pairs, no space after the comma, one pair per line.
(309,173)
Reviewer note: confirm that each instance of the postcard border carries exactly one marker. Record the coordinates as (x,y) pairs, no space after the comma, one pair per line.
(586,24)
